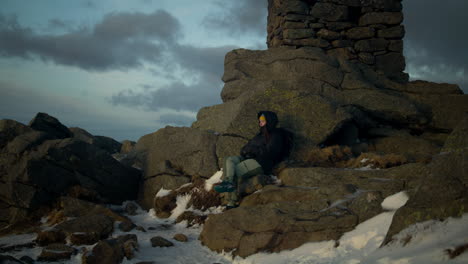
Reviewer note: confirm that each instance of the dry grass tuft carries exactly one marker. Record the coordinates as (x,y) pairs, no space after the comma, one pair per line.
(376,161)
(55,217)
(329,156)
(342,157)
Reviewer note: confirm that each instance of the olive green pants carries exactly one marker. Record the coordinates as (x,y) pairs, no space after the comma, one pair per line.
(236,171)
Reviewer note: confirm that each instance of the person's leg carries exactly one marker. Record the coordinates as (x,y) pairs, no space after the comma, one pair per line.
(229,182)
(229,173)
(232,198)
(245,169)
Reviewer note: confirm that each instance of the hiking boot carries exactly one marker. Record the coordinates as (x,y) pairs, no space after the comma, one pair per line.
(224,187)
(229,207)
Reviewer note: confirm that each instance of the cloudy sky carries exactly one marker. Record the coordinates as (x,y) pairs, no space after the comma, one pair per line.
(124,68)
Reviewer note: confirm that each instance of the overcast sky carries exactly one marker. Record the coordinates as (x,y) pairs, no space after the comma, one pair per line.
(124,68)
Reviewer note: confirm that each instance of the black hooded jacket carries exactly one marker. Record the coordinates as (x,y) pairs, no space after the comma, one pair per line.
(269,146)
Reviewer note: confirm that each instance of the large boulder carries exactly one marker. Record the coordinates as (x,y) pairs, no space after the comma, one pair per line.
(282,64)
(56,252)
(106,143)
(458,139)
(172,157)
(315,96)
(447,103)
(180,151)
(111,251)
(87,229)
(290,224)
(127,146)
(442,193)
(314,204)
(151,187)
(9,129)
(387,181)
(50,125)
(414,148)
(37,177)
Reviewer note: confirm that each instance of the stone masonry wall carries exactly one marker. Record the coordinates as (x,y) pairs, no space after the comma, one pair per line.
(368,31)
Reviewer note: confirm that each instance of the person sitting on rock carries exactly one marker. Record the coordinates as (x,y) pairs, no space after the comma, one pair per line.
(268,148)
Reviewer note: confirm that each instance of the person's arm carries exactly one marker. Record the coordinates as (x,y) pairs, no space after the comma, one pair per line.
(254,148)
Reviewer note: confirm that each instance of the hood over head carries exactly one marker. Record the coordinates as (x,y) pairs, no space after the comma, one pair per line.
(271,119)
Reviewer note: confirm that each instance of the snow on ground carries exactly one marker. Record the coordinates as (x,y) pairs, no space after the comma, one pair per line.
(213,180)
(428,242)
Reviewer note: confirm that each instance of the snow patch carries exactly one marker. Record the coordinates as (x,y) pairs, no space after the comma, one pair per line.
(213,180)
(395,201)
(182,202)
(162,192)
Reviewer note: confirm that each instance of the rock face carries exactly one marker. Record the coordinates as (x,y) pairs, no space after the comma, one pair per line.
(366,31)
(56,252)
(175,155)
(50,125)
(108,144)
(38,166)
(323,99)
(314,204)
(334,74)
(443,191)
(112,250)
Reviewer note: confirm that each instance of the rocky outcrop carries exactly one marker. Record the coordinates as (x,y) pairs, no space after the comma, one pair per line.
(50,125)
(173,157)
(443,191)
(56,252)
(357,99)
(313,204)
(323,99)
(333,73)
(108,144)
(112,251)
(38,166)
(458,140)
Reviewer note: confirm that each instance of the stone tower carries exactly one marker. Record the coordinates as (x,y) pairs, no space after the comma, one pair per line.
(368,31)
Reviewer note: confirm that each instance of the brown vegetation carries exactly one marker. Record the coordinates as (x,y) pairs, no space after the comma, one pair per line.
(342,157)
(453,253)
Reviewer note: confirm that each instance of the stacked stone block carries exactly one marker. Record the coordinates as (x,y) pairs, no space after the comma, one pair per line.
(368,31)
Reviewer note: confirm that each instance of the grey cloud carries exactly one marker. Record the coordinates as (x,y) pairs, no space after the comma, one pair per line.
(204,60)
(119,41)
(205,63)
(435,43)
(176,119)
(58,23)
(239,17)
(126,26)
(177,96)
(89,4)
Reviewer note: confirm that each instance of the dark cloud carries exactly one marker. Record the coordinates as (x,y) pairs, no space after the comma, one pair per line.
(176,119)
(239,17)
(119,41)
(89,4)
(58,23)
(205,64)
(177,96)
(203,60)
(435,42)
